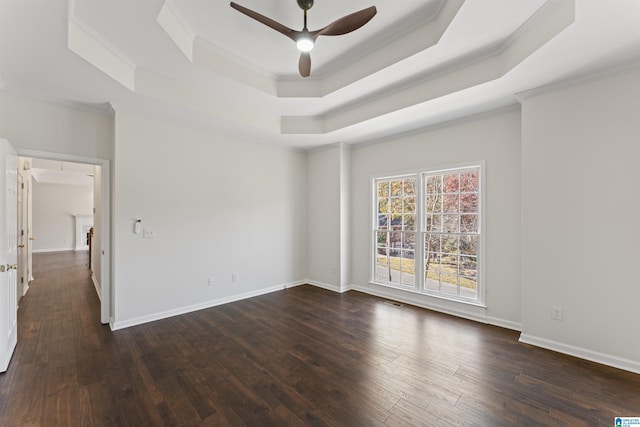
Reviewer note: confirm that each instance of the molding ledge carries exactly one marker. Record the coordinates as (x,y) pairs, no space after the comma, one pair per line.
(582,353)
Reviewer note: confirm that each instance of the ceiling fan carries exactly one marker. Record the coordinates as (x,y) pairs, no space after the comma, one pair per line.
(305,39)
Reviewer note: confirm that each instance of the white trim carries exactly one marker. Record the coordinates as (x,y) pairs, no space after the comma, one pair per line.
(103,108)
(578,79)
(503,323)
(99,38)
(290,285)
(90,45)
(196,307)
(327,286)
(507,106)
(25,290)
(208,127)
(40,251)
(420,175)
(61,157)
(96,285)
(582,353)
(179,17)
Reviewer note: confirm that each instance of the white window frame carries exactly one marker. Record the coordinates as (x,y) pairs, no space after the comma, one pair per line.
(420,232)
(416,232)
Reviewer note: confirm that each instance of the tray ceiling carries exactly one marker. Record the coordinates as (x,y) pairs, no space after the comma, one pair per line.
(204,64)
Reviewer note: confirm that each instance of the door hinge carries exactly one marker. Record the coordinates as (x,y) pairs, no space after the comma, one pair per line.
(22,280)
(22,185)
(22,232)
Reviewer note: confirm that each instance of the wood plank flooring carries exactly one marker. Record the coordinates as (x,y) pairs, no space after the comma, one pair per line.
(300,357)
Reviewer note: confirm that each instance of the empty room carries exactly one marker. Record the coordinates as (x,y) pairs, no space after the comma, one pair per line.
(326,213)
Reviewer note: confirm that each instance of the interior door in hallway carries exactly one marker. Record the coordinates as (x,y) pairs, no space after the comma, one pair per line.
(22,277)
(8,252)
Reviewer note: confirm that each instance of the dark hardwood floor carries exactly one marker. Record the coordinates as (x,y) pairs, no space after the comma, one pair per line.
(304,356)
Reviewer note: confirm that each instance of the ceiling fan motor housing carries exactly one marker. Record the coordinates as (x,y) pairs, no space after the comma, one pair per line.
(305,4)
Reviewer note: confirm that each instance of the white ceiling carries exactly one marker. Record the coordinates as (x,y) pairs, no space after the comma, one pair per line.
(202,63)
(65,173)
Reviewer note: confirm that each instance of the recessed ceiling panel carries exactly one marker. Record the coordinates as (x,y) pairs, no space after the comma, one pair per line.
(219,24)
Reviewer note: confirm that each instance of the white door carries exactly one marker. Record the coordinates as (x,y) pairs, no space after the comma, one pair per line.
(8,253)
(30,238)
(22,278)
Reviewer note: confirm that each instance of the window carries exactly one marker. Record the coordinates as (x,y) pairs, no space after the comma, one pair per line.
(433,217)
(396,231)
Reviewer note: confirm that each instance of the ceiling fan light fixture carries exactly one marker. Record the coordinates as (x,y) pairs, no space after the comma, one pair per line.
(305,39)
(305,43)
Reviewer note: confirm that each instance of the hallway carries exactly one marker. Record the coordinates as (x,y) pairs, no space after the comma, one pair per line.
(61,345)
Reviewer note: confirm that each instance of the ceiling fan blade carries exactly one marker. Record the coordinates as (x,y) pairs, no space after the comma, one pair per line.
(266,21)
(348,23)
(304,65)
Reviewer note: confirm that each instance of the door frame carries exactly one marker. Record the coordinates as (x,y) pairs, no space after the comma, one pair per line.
(23,268)
(106,287)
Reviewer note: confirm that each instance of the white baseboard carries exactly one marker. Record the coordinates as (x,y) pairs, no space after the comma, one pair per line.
(195,307)
(582,353)
(294,284)
(605,359)
(508,324)
(39,251)
(25,290)
(322,285)
(96,285)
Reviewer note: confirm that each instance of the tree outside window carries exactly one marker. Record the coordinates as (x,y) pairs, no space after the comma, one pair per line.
(396,231)
(440,211)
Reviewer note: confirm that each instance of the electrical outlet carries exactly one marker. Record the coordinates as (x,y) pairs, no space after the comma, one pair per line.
(210,281)
(235,278)
(556,312)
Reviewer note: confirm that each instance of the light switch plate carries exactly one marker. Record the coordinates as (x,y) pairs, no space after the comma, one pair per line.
(149,233)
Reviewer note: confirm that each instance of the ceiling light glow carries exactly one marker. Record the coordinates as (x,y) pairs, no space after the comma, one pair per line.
(305,44)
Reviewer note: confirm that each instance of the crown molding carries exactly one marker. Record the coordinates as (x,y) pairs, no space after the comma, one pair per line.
(583,77)
(475,68)
(90,45)
(215,128)
(175,25)
(442,124)
(422,30)
(102,108)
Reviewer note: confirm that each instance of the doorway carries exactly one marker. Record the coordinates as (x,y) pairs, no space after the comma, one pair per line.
(99,213)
